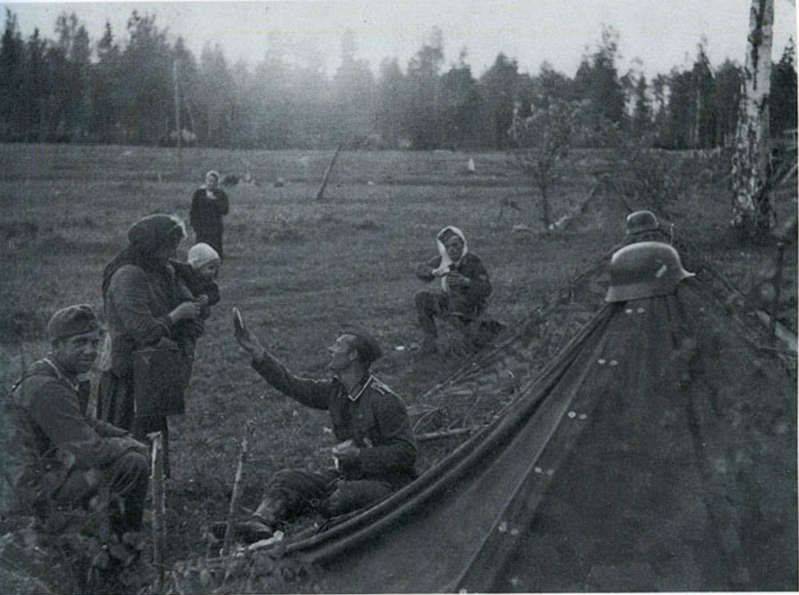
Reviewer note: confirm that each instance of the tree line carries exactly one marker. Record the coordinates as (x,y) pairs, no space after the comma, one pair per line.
(123,90)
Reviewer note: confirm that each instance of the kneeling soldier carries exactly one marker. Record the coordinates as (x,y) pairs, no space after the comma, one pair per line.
(62,458)
(376,453)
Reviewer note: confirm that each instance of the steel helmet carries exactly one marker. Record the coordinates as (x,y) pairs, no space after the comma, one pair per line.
(644,270)
(641,221)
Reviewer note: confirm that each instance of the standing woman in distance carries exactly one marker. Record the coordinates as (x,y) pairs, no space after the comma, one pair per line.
(208,205)
(144,306)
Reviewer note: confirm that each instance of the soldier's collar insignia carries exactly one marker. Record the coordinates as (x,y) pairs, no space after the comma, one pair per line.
(364,386)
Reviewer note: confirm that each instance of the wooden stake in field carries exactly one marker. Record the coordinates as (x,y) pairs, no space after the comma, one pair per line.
(159,505)
(178,124)
(320,195)
(234,498)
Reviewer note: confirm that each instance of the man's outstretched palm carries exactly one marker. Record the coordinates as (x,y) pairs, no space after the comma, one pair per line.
(243,335)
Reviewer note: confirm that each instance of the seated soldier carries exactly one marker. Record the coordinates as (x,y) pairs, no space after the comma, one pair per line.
(61,458)
(376,453)
(465,286)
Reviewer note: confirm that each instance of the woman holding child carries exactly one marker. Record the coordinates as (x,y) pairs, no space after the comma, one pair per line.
(145,305)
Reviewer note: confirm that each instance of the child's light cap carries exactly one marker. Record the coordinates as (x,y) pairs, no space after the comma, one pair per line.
(201,254)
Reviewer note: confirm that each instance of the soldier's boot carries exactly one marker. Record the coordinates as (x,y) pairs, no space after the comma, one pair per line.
(259,526)
(248,531)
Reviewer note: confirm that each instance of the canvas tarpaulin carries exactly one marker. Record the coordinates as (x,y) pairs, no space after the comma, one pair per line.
(655,452)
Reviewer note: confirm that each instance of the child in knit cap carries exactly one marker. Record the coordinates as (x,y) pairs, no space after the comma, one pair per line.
(199,275)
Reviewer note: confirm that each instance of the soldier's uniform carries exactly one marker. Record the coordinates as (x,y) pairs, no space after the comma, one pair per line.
(59,457)
(373,417)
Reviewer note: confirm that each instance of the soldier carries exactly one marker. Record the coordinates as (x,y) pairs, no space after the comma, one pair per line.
(465,286)
(376,453)
(63,457)
(643,226)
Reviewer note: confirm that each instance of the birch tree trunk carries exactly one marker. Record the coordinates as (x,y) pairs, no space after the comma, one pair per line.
(751,206)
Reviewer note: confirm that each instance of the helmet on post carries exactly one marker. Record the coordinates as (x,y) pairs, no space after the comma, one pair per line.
(641,221)
(644,270)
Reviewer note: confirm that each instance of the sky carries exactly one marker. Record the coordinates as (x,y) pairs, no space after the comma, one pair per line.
(654,35)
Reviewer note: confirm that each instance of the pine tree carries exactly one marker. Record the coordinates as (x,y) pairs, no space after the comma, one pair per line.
(391,97)
(12,69)
(498,87)
(422,116)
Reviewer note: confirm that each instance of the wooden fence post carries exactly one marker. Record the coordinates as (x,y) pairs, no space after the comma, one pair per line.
(320,195)
(234,498)
(159,506)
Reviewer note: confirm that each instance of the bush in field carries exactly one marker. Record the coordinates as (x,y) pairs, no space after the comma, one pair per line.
(543,142)
(645,177)
(244,571)
(76,552)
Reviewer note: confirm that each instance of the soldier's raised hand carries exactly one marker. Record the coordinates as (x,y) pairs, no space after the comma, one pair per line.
(245,338)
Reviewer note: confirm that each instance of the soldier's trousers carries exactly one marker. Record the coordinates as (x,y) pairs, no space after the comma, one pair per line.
(294,491)
(126,478)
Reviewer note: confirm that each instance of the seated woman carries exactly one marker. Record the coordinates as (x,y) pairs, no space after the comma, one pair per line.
(465,286)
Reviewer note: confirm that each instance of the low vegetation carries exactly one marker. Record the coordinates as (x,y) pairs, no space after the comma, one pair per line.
(299,270)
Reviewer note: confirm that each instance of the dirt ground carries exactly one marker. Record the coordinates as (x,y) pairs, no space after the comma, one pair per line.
(299,270)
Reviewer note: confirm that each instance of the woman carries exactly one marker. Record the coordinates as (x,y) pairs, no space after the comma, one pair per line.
(465,286)
(208,205)
(144,305)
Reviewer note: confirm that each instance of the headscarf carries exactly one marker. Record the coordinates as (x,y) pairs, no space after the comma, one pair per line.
(145,238)
(446,262)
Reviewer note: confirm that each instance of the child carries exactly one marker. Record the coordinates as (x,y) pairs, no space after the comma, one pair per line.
(199,275)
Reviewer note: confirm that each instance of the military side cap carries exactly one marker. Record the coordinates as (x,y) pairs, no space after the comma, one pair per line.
(71,321)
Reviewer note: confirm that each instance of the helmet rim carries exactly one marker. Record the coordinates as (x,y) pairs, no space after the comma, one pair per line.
(645,270)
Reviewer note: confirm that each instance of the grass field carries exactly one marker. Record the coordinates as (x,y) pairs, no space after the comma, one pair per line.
(299,270)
